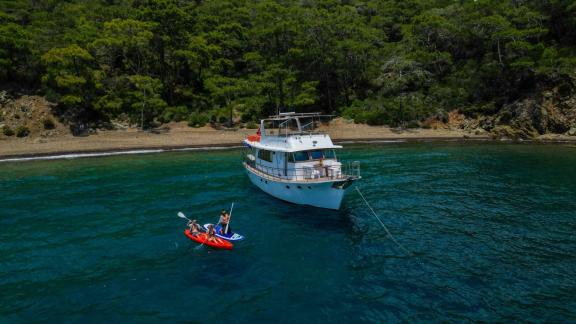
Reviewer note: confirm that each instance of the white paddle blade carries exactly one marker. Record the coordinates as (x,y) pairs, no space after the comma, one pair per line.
(229,218)
(181,215)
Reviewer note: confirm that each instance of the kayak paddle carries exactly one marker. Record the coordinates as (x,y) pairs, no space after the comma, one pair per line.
(229,219)
(181,215)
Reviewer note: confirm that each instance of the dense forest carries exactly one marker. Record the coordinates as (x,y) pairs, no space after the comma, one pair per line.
(375,61)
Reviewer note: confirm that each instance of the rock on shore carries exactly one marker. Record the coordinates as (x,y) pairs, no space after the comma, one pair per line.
(550,113)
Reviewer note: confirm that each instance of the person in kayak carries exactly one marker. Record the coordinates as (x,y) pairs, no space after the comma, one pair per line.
(194,227)
(211,232)
(224,222)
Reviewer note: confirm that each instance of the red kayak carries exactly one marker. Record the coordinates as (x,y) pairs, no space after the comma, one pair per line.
(216,243)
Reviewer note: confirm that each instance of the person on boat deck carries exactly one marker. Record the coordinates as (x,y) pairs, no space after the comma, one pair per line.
(224,222)
(194,227)
(211,232)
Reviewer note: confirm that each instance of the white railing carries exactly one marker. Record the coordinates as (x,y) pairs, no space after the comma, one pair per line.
(350,170)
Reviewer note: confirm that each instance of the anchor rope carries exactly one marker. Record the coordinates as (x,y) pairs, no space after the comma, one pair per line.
(382,223)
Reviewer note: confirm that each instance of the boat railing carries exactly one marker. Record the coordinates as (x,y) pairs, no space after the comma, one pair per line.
(345,171)
(291,124)
(284,132)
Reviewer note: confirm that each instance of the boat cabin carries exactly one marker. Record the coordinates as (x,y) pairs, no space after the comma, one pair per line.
(293,150)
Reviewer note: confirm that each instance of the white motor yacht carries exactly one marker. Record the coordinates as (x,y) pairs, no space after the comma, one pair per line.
(290,160)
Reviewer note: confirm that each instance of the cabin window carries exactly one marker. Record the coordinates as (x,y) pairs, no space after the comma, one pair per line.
(265,155)
(311,155)
(316,155)
(300,156)
(329,154)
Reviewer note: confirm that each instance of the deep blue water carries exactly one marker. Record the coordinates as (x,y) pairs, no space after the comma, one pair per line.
(491,230)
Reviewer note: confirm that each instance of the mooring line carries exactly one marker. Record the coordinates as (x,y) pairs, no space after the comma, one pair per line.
(382,223)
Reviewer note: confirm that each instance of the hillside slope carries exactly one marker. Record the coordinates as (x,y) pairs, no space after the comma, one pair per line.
(33,113)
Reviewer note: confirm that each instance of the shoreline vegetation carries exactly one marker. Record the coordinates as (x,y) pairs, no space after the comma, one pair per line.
(48,136)
(178,136)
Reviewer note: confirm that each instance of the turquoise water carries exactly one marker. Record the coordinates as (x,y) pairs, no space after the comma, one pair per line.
(491,228)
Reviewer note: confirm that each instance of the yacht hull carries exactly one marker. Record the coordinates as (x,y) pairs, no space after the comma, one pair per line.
(327,194)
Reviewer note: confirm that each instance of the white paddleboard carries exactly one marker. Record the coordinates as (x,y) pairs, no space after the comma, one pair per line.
(233,237)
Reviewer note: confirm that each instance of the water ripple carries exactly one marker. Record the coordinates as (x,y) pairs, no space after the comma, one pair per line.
(491,229)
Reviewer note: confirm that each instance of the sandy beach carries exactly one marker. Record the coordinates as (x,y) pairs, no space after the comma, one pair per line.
(179,135)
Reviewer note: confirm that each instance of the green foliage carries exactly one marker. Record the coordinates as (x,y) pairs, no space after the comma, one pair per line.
(7,131)
(14,48)
(375,61)
(251,125)
(412,124)
(143,98)
(197,120)
(69,77)
(127,39)
(371,113)
(22,131)
(178,113)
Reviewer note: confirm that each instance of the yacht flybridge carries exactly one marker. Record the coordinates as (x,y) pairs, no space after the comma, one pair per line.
(288,159)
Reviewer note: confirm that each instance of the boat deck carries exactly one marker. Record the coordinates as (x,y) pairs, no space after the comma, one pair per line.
(306,175)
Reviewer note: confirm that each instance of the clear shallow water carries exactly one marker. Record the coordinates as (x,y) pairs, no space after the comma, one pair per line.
(491,227)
